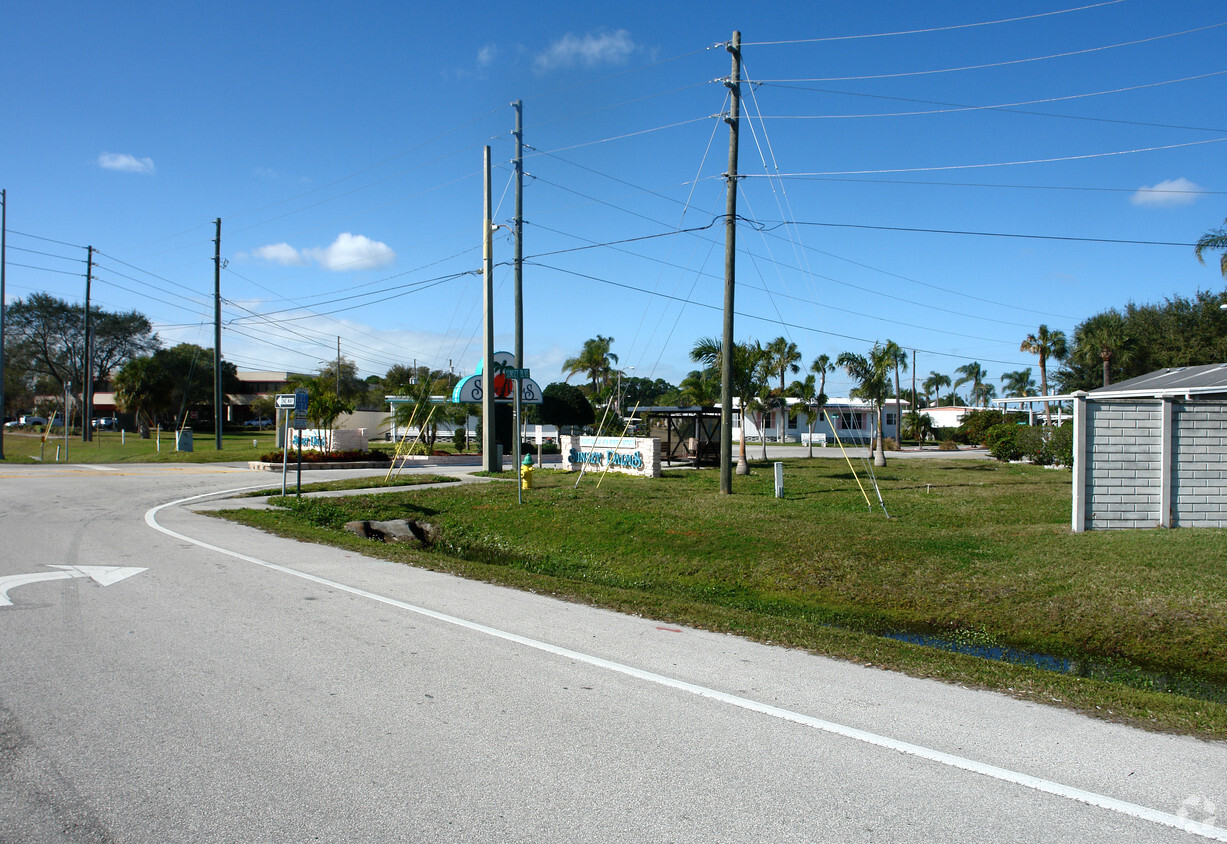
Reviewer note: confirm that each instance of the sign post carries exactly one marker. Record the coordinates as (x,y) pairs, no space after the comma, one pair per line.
(285,401)
(300,422)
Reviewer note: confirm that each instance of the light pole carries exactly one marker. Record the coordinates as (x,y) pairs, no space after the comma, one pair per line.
(618,403)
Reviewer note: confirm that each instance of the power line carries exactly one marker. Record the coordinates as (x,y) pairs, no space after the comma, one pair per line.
(1054,160)
(1005,63)
(929,29)
(768,320)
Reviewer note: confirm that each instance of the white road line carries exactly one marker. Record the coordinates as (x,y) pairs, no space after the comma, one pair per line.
(96,468)
(1057,789)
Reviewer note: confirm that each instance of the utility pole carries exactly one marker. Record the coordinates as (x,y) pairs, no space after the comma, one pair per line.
(87,383)
(338,366)
(4,228)
(490,464)
(217,332)
(518,263)
(730,271)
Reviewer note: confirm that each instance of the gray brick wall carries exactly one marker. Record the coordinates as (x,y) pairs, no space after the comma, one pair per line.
(1124,453)
(1123,450)
(1199,464)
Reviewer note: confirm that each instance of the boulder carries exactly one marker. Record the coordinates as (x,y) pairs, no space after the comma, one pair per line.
(396,530)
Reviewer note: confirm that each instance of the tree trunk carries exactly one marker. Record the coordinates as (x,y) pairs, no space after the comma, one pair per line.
(879,453)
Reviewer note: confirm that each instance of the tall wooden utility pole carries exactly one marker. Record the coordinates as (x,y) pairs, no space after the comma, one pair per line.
(489,461)
(87,381)
(730,272)
(518,225)
(217,333)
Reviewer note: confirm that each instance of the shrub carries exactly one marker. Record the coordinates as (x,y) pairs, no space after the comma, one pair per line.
(977,423)
(1060,443)
(460,440)
(948,445)
(950,435)
(889,444)
(1032,443)
(1002,442)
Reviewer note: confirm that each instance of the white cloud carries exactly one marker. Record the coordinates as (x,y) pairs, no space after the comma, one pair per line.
(486,55)
(279,253)
(587,50)
(1167,193)
(125,163)
(352,252)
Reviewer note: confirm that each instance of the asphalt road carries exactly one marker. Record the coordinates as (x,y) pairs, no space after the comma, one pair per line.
(245,688)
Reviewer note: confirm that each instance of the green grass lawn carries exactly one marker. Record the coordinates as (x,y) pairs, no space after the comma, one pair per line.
(112,447)
(974,550)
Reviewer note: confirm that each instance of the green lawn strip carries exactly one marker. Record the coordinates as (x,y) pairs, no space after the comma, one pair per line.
(368,482)
(112,447)
(1150,710)
(977,550)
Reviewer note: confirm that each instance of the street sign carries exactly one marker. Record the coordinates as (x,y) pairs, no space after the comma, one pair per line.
(516,373)
(300,409)
(285,401)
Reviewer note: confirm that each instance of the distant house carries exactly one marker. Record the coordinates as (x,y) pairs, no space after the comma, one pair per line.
(1152,451)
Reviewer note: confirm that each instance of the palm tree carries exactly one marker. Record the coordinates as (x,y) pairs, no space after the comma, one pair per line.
(1105,338)
(898,359)
(820,367)
(1019,383)
(809,401)
(983,393)
(782,357)
(743,380)
(143,388)
(933,384)
(701,388)
(872,374)
(974,373)
(1046,344)
(594,360)
(1216,240)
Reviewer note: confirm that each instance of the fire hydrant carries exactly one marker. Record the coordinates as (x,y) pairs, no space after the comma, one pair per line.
(526,472)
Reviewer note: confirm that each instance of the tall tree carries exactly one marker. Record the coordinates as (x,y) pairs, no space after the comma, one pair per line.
(809,401)
(898,359)
(972,373)
(701,388)
(933,385)
(872,376)
(1018,383)
(747,360)
(1214,240)
(1045,344)
(595,360)
(782,357)
(47,338)
(1107,339)
(143,388)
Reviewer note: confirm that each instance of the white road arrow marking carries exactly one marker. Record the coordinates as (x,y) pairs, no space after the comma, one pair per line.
(102,575)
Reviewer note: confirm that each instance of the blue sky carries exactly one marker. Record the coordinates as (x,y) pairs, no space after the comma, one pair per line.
(885,146)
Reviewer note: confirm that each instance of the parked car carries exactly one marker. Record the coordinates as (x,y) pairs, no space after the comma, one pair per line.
(105,424)
(34,420)
(261,422)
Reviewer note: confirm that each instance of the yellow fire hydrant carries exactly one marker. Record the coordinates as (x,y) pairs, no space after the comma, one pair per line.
(526,472)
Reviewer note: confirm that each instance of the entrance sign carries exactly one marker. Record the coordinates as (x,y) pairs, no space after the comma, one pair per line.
(628,455)
(472,389)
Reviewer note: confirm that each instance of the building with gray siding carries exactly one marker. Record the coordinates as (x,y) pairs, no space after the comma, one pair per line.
(1152,451)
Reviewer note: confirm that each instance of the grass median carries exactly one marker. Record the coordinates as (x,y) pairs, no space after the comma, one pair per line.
(976,556)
